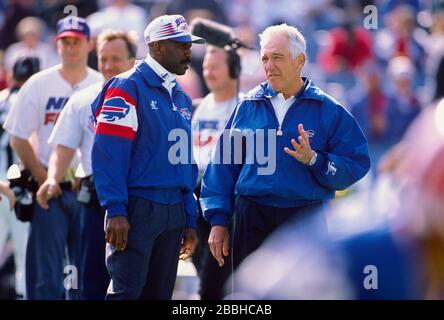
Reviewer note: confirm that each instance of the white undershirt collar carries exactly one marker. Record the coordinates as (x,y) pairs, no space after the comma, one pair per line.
(169,79)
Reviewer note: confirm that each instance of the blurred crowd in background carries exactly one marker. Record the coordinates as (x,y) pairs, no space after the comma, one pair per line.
(385,76)
(380,74)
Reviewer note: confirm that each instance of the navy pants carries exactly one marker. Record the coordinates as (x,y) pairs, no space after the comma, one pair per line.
(51,232)
(255,222)
(95,278)
(212,277)
(147,268)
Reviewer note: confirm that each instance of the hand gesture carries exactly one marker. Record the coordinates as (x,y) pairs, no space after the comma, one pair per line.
(302,150)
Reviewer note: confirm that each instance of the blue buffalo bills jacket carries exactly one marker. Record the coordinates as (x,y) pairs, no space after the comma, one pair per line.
(142,145)
(334,134)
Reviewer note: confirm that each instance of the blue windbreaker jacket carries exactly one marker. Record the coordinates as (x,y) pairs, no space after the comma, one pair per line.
(334,134)
(142,145)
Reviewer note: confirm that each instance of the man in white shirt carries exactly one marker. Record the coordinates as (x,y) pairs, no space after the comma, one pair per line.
(30,123)
(221,69)
(75,131)
(122,15)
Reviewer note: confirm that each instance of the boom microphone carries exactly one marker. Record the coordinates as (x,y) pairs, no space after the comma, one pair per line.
(216,34)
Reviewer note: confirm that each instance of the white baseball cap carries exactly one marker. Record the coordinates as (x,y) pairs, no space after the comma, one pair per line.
(173,27)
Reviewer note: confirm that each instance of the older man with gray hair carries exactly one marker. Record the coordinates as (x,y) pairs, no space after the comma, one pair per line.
(317,147)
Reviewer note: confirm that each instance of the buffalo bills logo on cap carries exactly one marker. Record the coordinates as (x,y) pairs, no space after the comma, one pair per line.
(181,23)
(114,109)
(167,30)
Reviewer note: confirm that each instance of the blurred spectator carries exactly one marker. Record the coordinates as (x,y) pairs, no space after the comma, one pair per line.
(388,5)
(52,11)
(252,72)
(188,8)
(428,122)
(221,71)
(369,106)
(347,49)
(16,10)
(258,13)
(434,46)
(190,83)
(30,31)
(24,67)
(403,104)
(384,110)
(122,15)
(400,38)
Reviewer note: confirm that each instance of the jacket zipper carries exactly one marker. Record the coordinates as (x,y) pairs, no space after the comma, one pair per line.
(279,134)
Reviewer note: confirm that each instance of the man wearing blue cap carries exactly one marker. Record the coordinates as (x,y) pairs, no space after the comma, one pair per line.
(32,118)
(144,182)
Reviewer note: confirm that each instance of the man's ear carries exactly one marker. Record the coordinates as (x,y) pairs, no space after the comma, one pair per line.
(301,60)
(159,48)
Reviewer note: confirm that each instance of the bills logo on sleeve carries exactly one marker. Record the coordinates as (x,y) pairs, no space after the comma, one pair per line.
(118,115)
(114,109)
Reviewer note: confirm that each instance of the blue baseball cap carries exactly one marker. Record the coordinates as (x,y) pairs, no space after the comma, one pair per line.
(73,26)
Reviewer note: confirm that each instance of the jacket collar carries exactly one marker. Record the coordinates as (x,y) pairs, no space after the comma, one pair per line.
(160,70)
(308,91)
(150,76)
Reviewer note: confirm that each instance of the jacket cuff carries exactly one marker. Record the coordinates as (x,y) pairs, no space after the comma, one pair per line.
(191,212)
(191,221)
(319,165)
(115,209)
(219,219)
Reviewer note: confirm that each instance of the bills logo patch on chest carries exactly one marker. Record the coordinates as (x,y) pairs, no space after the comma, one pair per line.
(185,113)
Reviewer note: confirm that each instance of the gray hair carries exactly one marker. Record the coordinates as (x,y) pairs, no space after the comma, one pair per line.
(296,41)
